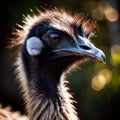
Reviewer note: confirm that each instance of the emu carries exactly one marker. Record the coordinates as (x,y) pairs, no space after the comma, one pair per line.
(52,43)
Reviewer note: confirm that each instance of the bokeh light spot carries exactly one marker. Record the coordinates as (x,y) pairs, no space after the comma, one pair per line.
(115,55)
(107,74)
(111,14)
(105,10)
(99,81)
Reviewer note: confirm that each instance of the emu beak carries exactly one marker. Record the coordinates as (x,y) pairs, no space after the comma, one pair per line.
(91,51)
(88,49)
(83,48)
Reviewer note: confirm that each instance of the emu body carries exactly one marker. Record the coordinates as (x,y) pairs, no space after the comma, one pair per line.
(51,44)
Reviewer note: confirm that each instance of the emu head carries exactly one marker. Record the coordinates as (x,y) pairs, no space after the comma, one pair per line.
(58,35)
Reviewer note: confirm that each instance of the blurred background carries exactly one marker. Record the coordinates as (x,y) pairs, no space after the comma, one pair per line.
(96,86)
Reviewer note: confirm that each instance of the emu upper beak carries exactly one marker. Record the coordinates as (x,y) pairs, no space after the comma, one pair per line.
(91,51)
(87,48)
(83,48)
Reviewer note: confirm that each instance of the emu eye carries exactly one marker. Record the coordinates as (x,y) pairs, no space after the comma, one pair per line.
(54,37)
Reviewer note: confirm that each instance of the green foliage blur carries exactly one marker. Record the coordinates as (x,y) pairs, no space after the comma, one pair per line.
(96,86)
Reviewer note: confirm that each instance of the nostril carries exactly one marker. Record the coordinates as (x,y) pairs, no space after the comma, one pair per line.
(85,47)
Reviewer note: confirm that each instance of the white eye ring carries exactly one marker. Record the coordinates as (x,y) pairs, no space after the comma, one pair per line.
(34,46)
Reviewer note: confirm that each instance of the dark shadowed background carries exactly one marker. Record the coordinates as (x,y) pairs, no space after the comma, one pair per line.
(96,86)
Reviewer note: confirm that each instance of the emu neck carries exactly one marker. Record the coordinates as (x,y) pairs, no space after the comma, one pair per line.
(45,81)
(47,95)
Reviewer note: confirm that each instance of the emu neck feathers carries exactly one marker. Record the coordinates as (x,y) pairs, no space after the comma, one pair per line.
(45,93)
